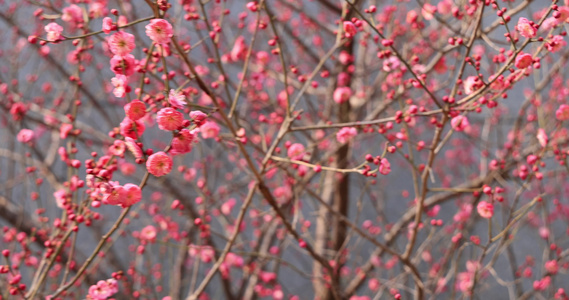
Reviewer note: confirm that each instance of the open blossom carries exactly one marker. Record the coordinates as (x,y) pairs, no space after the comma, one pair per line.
(485,209)
(25,136)
(350,29)
(346,134)
(384,166)
(542,137)
(63,154)
(283,193)
(120,84)
(177,99)
(169,119)
(72,14)
(206,253)
(198,117)
(557,42)
(262,57)
(549,23)
(117,148)
(428,11)
(345,58)
(160,31)
(552,266)
(296,151)
(204,99)
(523,60)
(234,260)
(471,84)
(113,193)
(252,6)
(209,130)
(562,113)
(411,17)
(98,9)
(135,110)
(543,284)
(525,28)
(163,50)
(159,164)
(133,147)
(123,64)
(108,25)
(73,57)
(148,233)
(459,123)
(65,129)
(131,195)
(239,50)
(445,7)
(544,232)
(355,297)
(18,110)
(228,206)
(127,168)
(182,143)
(122,21)
(53,31)
(132,129)
(465,281)
(60,197)
(563,13)
(121,43)
(342,94)
(103,289)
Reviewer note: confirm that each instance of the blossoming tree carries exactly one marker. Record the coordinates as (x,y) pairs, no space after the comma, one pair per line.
(286,149)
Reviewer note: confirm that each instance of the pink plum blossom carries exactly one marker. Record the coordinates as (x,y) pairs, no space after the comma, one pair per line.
(460,123)
(346,134)
(103,289)
(523,60)
(159,164)
(555,43)
(542,137)
(471,84)
(160,31)
(72,14)
(350,29)
(117,148)
(198,117)
(131,195)
(169,119)
(124,65)
(177,99)
(239,49)
(342,94)
(121,43)
(384,166)
(525,28)
(53,31)
(135,110)
(562,113)
(148,233)
(25,136)
(296,151)
(120,84)
(108,25)
(209,130)
(485,209)
(133,147)
(132,129)
(182,143)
